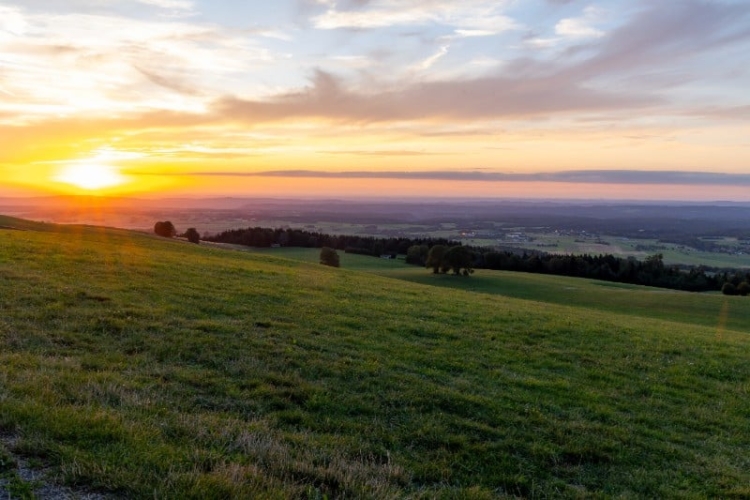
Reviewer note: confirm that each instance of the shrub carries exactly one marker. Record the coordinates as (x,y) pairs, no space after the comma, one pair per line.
(329,257)
(743,288)
(165,228)
(729,289)
(192,235)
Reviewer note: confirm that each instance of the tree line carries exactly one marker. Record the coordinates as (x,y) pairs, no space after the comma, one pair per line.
(444,256)
(287,237)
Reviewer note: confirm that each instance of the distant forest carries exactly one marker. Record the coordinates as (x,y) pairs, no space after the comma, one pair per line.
(650,272)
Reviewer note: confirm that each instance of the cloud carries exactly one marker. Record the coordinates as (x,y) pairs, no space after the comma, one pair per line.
(537,42)
(184,5)
(172,83)
(463,33)
(577,81)
(12,22)
(665,33)
(354,61)
(741,112)
(468,16)
(630,177)
(108,63)
(581,27)
(401,152)
(487,97)
(224,81)
(430,61)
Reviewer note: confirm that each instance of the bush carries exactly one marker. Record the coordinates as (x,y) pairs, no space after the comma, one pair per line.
(165,229)
(729,289)
(743,288)
(329,257)
(192,235)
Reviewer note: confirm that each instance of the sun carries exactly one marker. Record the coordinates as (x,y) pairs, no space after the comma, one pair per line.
(90,176)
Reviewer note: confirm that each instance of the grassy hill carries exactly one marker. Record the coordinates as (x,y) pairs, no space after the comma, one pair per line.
(147,367)
(712,309)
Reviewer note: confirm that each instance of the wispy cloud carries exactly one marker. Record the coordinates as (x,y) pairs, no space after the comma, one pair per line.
(470,15)
(668,33)
(109,63)
(382,152)
(183,5)
(489,97)
(12,22)
(430,61)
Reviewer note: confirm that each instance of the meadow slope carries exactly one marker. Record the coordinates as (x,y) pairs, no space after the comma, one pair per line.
(144,367)
(708,309)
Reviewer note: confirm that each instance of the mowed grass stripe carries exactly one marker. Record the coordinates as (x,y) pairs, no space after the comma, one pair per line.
(147,367)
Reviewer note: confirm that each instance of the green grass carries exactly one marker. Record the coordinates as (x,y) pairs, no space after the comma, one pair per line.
(347,260)
(151,368)
(707,309)
(711,310)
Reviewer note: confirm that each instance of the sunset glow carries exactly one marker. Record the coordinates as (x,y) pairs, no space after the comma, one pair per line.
(90,176)
(192,97)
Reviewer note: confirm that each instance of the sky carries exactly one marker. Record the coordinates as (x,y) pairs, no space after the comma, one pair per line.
(609,99)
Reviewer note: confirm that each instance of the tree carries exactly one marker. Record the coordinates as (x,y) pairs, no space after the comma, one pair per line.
(192,235)
(435,258)
(729,289)
(654,264)
(283,238)
(743,288)
(417,255)
(329,257)
(458,258)
(165,229)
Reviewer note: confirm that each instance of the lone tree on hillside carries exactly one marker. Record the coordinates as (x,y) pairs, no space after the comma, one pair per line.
(192,235)
(329,257)
(165,228)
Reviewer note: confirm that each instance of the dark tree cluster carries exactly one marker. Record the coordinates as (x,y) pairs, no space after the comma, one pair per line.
(458,259)
(167,230)
(736,284)
(364,245)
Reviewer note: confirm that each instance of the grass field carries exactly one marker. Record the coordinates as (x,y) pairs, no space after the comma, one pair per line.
(712,310)
(143,367)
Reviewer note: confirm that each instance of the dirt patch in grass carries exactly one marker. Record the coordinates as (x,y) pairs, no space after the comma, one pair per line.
(19,480)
